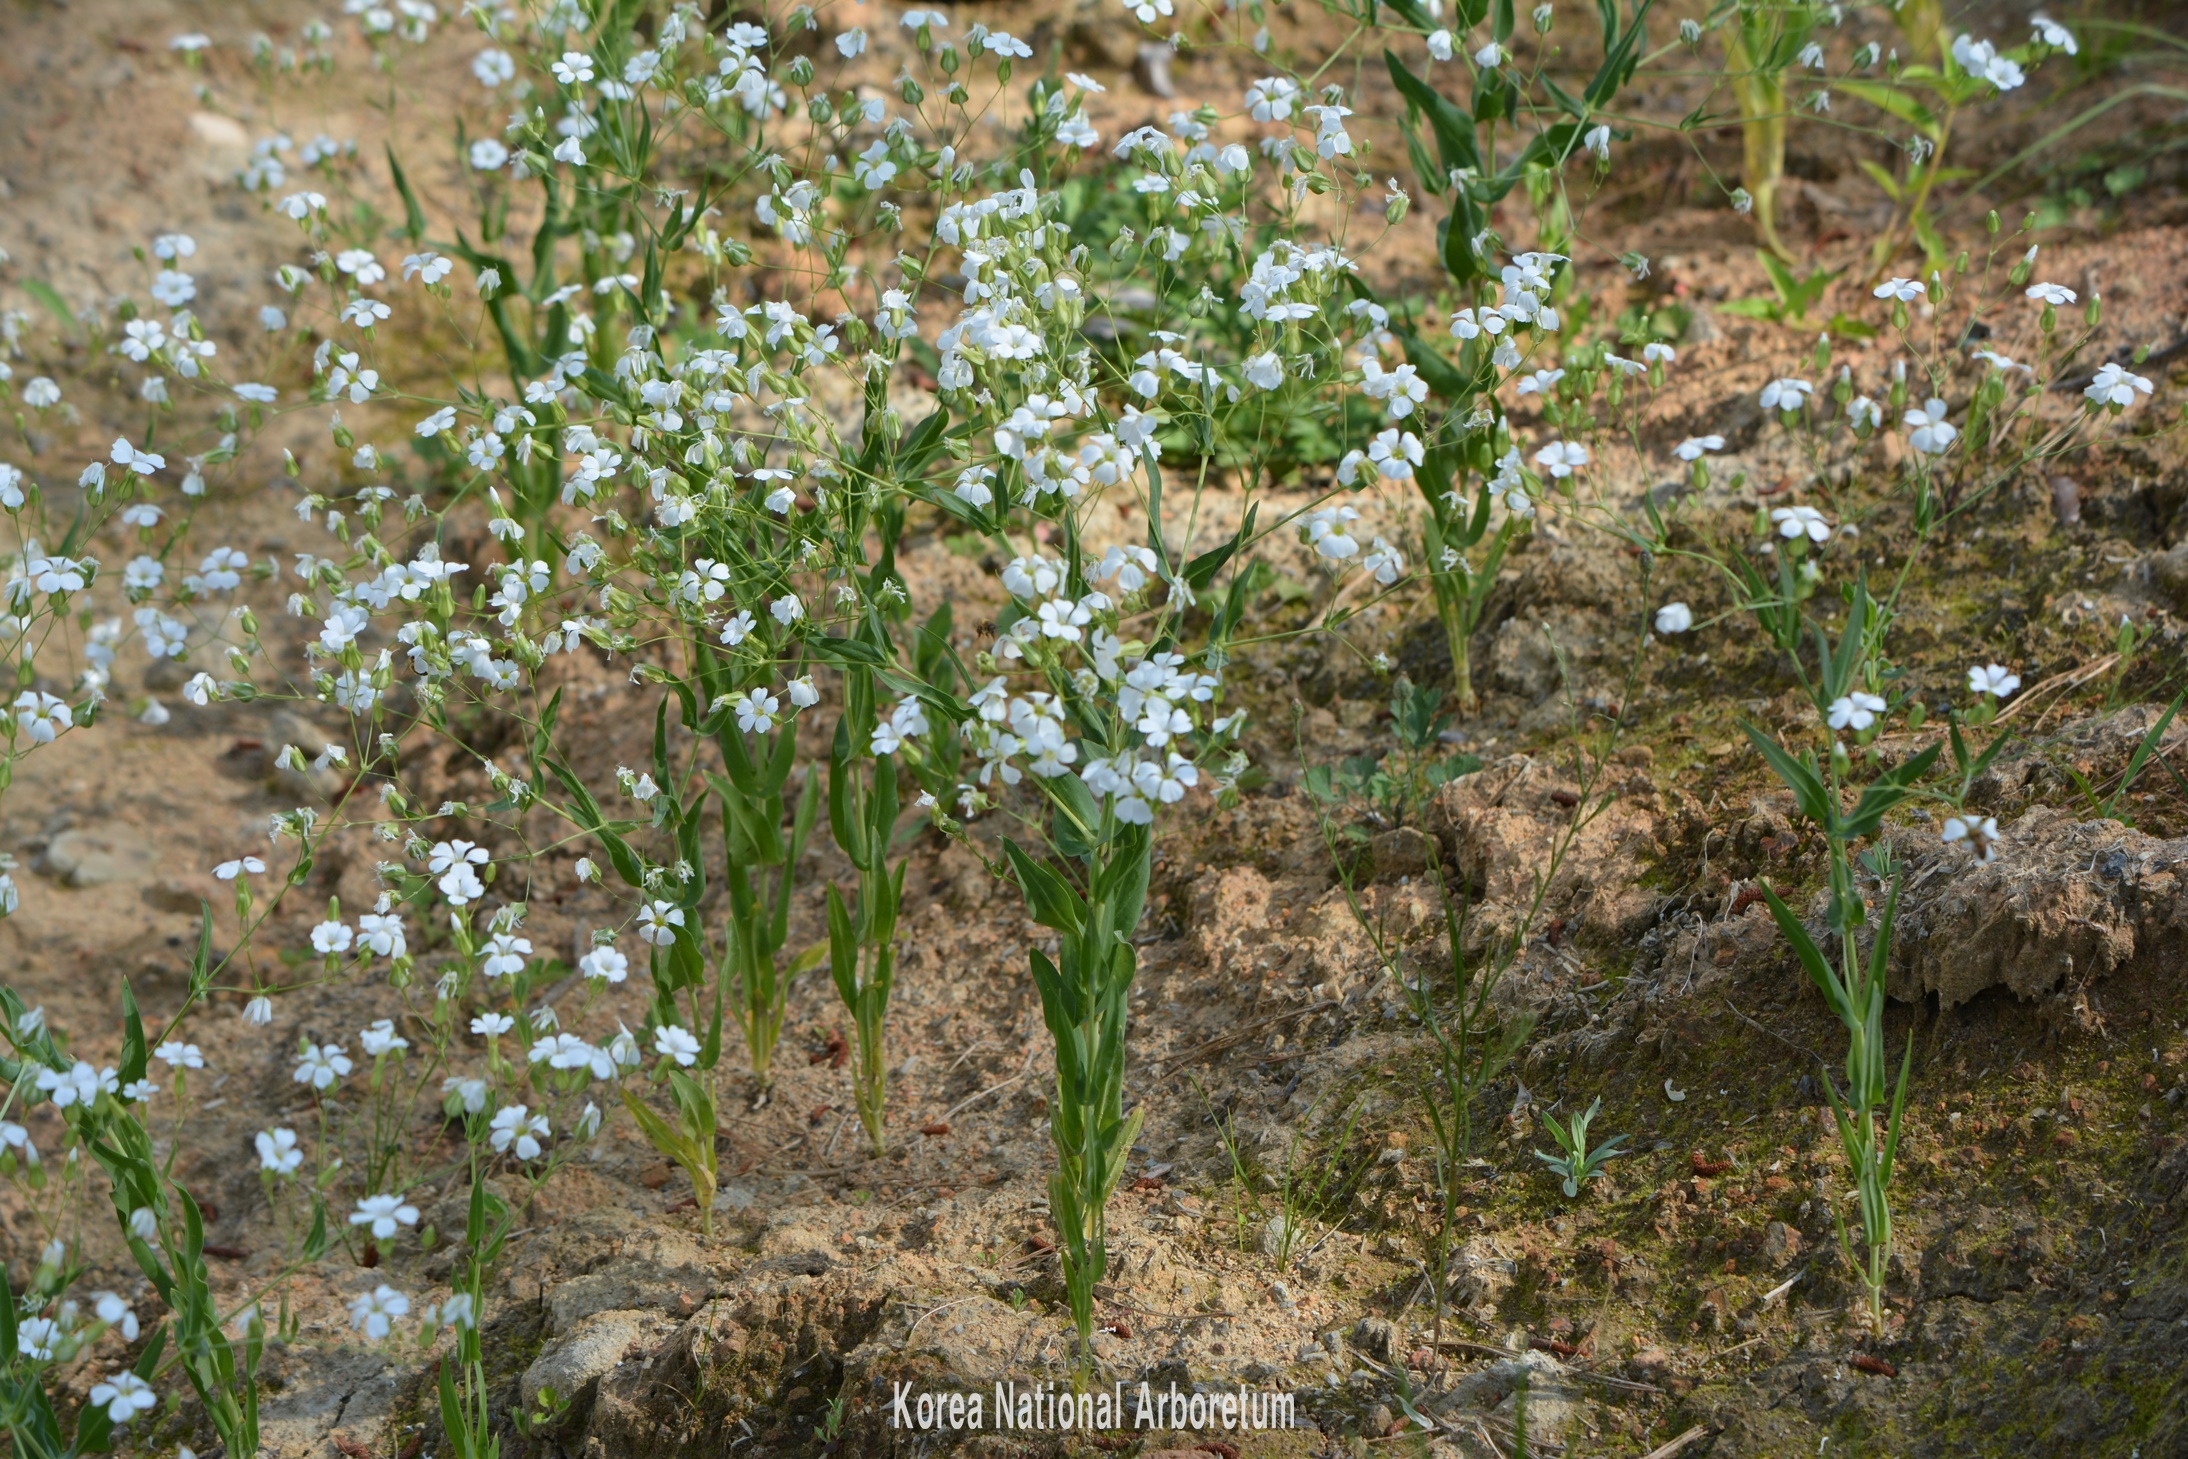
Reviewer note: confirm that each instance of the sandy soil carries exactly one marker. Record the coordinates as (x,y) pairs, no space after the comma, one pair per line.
(2041,1293)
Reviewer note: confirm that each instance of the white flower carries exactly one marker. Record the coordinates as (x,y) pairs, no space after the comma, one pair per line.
(574,69)
(1270,99)
(1674,618)
(1693,448)
(492,1025)
(1658,353)
(1998,361)
(487,155)
(78,1084)
(1929,432)
(673,1042)
(278,1153)
(1801,522)
(377,1310)
(1981,834)
(14,1137)
(178,1055)
(658,921)
(515,1126)
(1863,412)
(756,712)
(36,1337)
(2115,386)
(456,1311)
(330,938)
(1906,291)
(1981,58)
(321,1064)
(1395,454)
(1995,679)
(124,1395)
(381,1039)
(2053,294)
(2053,34)
(568,150)
(1598,141)
(1489,56)
(1855,711)
(428,268)
(604,965)
(111,1309)
(381,934)
(493,67)
(1560,458)
(1787,394)
(383,1216)
(258,1012)
(360,264)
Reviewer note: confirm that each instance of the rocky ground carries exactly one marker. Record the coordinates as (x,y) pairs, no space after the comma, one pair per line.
(1693,1302)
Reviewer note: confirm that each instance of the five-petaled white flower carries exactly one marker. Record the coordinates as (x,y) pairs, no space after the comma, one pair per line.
(658,921)
(1801,522)
(383,1216)
(674,1042)
(320,1065)
(179,1055)
(1994,679)
(1905,291)
(278,1154)
(2051,294)
(1928,430)
(1674,618)
(375,1311)
(2115,386)
(517,1129)
(1855,711)
(1693,448)
(1561,458)
(124,1395)
(1786,394)
(604,965)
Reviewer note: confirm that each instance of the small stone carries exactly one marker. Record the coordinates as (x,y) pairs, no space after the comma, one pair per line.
(2066,500)
(92,858)
(1152,70)
(170,894)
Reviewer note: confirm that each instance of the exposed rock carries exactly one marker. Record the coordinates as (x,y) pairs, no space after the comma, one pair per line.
(1503,825)
(1551,1396)
(2064,899)
(97,856)
(1781,1243)
(1377,1337)
(345,1391)
(633,1284)
(574,1362)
